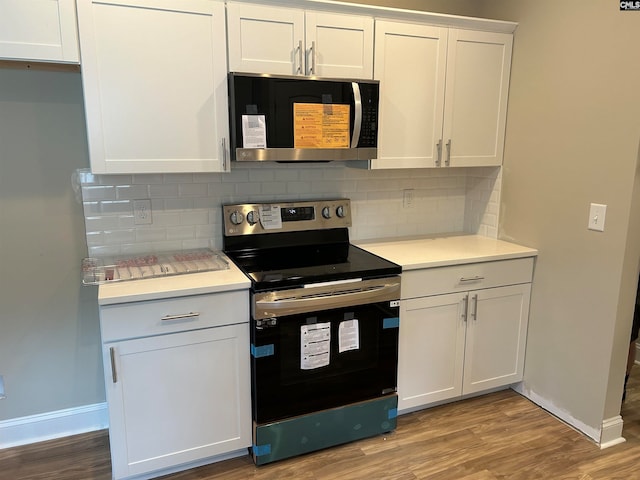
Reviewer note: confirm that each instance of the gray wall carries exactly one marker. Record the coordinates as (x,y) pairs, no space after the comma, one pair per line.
(572,138)
(49,338)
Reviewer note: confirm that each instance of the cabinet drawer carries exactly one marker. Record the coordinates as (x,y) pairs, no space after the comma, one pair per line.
(157,317)
(459,278)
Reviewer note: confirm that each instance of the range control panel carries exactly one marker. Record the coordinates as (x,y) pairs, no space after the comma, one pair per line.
(286,216)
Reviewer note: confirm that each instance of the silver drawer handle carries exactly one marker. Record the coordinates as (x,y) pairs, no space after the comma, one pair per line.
(180,316)
(477,278)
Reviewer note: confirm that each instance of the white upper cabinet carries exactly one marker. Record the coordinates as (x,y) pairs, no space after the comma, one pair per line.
(289,41)
(155,85)
(443,95)
(477,88)
(410,63)
(39,30)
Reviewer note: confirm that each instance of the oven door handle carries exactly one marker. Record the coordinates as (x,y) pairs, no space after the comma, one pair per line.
(279,303)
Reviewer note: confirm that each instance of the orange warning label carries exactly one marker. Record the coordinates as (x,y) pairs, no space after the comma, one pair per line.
(319,125)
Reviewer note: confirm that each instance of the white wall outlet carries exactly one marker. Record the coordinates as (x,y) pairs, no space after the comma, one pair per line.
(597,214)
(2,394)
(408,199)
(142,212)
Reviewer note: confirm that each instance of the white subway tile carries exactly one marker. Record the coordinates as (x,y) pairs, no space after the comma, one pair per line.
(248,189)
(182,232)
(178,178)
(189,205)
(114,179)
(178,204)
(118,237)
(132,192)
(165,219)
(274,188)
(193,190)
(97,224)
(148,179)
(164,190)
(194,217)
(150,234)
(114,207)
(96,193)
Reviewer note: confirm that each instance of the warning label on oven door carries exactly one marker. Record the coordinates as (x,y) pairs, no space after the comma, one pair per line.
(348,336)
(315,345)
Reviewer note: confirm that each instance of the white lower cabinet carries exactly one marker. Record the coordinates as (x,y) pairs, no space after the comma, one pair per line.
(467,341)
(180,395)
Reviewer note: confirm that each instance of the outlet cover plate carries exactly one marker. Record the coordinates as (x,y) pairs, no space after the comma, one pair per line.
(142,212)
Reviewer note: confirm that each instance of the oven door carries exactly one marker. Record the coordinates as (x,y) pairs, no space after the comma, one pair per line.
(323,347)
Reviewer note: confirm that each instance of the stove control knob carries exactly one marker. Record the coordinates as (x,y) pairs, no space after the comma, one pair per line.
(340,211)
(252,217)
(326,212)
(236,217)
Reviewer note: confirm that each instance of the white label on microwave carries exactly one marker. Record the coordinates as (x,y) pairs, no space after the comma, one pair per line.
(254,131)
(315,345)
(270,217)
(348,335)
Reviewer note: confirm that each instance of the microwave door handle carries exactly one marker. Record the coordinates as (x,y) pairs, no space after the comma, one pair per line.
(357,120)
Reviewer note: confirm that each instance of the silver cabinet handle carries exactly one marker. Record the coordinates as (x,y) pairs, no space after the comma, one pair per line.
(112,355)
(300,58)
(465,303)
(180,316)
(312,53)
(357,114)
(477,278)
(447,162)
(224,154)
(474,307)
(439,149)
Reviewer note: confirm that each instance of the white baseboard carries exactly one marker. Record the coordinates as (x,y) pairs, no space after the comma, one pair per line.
(561,414)
(611,432)
(47,426)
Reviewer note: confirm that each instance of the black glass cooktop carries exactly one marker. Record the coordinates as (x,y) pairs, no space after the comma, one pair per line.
(294,266)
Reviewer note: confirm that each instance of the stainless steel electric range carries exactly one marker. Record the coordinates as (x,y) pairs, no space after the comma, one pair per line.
(324,326)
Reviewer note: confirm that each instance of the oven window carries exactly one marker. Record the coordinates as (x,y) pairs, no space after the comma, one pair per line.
(322,360)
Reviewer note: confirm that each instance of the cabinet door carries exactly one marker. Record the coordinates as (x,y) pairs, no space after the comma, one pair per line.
(177,398)
(40,30)
(478,69)
(410,62)
(327,37)
(155,85)
(431,349)
(496,337)
(265,39)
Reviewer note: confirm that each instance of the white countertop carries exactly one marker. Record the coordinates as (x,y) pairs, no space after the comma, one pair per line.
(174,286)
(425,252)
(411,253)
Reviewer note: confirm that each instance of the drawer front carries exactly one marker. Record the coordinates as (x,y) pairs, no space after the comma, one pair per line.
(157,317)
(460,278)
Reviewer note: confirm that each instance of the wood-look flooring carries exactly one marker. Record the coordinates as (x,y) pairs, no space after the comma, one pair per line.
(497,436)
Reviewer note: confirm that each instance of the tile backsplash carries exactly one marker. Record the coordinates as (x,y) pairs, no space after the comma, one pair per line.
(186,208)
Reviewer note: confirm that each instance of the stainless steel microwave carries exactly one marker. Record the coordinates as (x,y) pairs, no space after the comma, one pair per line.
(302,119)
